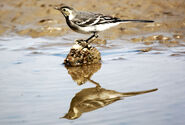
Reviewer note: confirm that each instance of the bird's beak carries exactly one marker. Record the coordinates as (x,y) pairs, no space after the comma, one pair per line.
(56,7)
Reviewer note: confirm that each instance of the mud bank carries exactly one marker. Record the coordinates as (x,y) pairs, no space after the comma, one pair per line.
(37,18)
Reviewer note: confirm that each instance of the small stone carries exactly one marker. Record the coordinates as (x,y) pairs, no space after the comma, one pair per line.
(178,36)
(146,49)
(159,37)
(166,38)
(137,40)
(99,41)
(148,43)
(175,54)
(149,38)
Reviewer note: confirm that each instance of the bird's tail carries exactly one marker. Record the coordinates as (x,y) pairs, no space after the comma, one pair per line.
(127,94)
(140,21)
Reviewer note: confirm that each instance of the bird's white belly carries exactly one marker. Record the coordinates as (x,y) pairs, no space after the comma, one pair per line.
(99,27)
(102,27)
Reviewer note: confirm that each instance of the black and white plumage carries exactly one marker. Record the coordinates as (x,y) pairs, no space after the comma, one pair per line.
(87,22)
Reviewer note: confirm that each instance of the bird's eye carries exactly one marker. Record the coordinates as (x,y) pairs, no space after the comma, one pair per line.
(64,10)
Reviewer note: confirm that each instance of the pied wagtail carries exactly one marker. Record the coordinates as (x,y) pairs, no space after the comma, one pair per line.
(87,22)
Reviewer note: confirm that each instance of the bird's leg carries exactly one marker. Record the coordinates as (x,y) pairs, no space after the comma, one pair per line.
(92,37)
(97,84)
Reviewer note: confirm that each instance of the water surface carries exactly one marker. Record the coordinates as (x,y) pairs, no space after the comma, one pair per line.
(36,88)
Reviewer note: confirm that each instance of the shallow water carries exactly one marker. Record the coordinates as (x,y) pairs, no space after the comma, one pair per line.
(35,88)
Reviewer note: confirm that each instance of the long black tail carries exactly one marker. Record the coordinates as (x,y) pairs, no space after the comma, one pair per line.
(141,21)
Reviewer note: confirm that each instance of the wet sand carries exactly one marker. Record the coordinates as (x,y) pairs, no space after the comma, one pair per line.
(36,88)
(38,18)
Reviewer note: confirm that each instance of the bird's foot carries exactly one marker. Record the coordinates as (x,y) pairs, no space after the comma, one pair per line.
(82,43)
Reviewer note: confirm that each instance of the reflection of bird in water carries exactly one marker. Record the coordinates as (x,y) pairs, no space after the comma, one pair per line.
(82,74)
(90,99)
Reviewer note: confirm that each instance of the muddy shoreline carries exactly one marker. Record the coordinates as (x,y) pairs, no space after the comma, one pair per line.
(38,18)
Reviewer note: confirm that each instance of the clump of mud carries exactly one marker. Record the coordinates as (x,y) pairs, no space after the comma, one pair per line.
(82,53)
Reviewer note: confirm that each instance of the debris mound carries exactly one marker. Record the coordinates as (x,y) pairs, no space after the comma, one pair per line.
(82,53)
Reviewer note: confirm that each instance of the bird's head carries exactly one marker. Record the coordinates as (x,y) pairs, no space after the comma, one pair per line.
(73,113)
(66,10)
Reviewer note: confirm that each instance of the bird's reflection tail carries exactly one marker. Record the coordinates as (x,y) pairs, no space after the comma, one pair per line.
(127,94)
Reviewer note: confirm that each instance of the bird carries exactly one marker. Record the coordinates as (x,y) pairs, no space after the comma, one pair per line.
(89,22)
(90,99)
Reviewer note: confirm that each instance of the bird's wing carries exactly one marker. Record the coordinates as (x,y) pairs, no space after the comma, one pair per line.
(90,19)
(85,19)
(107,19)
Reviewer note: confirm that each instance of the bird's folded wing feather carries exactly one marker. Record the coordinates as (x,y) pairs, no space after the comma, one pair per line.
(84,19)
(107,19)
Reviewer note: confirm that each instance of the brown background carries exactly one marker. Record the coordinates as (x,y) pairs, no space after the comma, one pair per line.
(38,18)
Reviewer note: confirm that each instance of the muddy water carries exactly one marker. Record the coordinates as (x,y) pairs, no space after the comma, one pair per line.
(35,88)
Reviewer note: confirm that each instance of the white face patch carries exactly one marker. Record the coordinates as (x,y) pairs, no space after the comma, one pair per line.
(68,12)
(71,14)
